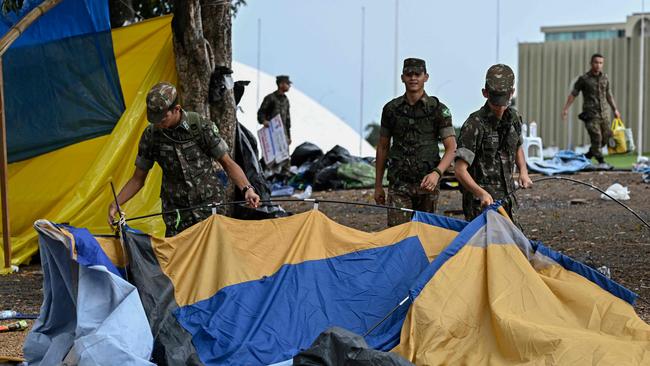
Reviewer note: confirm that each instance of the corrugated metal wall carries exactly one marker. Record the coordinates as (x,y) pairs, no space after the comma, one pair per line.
(547,72)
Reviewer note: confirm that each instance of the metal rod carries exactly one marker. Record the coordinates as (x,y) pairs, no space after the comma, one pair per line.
(6,229)
(259,61)
(271,201)
(386,317)
(363,41)
(641,81)
(396,68)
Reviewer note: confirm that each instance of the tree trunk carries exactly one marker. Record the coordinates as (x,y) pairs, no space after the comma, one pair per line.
(202,42)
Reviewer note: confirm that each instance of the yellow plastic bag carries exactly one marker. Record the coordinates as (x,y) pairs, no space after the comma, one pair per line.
(617,143)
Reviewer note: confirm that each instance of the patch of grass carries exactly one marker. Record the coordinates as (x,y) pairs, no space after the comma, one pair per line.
(623,161)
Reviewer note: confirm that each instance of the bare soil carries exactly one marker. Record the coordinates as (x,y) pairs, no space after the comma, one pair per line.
(567,217)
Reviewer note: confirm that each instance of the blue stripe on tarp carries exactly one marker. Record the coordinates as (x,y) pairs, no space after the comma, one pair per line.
(454,247)
(270,320)
(60,93)
(69,18)
(61,81)
(588,273)
(89,252)
(439,221)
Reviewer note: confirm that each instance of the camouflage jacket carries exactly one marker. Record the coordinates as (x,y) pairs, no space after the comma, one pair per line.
(415,131)
(595,92)
(186,155)
(272,105)
(490,147)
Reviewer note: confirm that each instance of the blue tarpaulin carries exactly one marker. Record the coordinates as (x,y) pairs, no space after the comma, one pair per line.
(61,84)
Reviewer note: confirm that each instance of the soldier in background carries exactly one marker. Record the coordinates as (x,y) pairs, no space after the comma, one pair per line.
(277,103)
(415,122)
(489,147)
(596,94)
(185,145)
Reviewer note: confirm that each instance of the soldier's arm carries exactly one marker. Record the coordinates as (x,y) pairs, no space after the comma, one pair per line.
(465,154)
(262,112)
(238,177)
(612,102)
(577,86)
(520,160)
(143,163)
(381,153)
(129,190)
(448,137)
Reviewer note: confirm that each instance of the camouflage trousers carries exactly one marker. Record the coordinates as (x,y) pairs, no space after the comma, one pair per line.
(472,205)
(599,134)
(410,196)
(183,218)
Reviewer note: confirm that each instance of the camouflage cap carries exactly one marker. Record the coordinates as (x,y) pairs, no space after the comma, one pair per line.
(282,79)
(499,83)
(414,65)
(159,99)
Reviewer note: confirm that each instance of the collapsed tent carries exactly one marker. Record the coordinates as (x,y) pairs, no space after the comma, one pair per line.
(227,291)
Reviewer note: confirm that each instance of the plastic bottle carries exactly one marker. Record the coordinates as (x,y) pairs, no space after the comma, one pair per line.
(524,130)
(7,314)
(533,129)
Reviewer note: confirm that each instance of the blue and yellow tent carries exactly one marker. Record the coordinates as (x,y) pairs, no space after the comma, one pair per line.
(74,93)
(232,292)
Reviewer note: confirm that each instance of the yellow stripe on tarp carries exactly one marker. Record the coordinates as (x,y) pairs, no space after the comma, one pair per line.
(491,307)
(222,251)
(72,184)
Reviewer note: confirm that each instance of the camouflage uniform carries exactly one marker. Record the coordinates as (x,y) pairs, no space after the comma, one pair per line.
(415,131)
(595,109)
(489,146)
(186,155)
(274,104)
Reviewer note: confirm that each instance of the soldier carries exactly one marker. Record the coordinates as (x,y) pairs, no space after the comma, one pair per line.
(594,85)
(415,122)
(489,146)
(185,145)
(277,103)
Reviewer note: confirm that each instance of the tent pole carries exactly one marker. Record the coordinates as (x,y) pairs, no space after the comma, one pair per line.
(6,233)
(5,42)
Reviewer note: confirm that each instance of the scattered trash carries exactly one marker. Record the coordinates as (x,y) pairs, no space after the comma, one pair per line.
(618,192)
(13,327)
(279,190)
(578,201)
(7,314)
(304,195)
(605,271)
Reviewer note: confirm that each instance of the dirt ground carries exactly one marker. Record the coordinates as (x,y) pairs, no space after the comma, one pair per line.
(568,217)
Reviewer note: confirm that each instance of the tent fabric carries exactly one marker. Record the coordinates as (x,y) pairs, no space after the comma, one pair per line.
(76,100)
(90,314)
(229,291)
(494,300)
(72,184)
(257,292)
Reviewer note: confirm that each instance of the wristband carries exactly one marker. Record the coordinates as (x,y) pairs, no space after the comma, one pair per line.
(246,188)
(438,171)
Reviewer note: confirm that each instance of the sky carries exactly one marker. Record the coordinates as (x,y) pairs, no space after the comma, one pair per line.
(318,43)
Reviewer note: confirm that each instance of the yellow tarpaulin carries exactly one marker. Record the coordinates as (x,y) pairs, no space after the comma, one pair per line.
(72,184)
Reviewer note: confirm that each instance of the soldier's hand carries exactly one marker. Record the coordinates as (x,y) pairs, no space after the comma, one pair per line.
(112,213)
(525,181)
(565,114)
(617,114)
(252,198)
(430,181)
(266,123)
(380,196)
(486,199)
